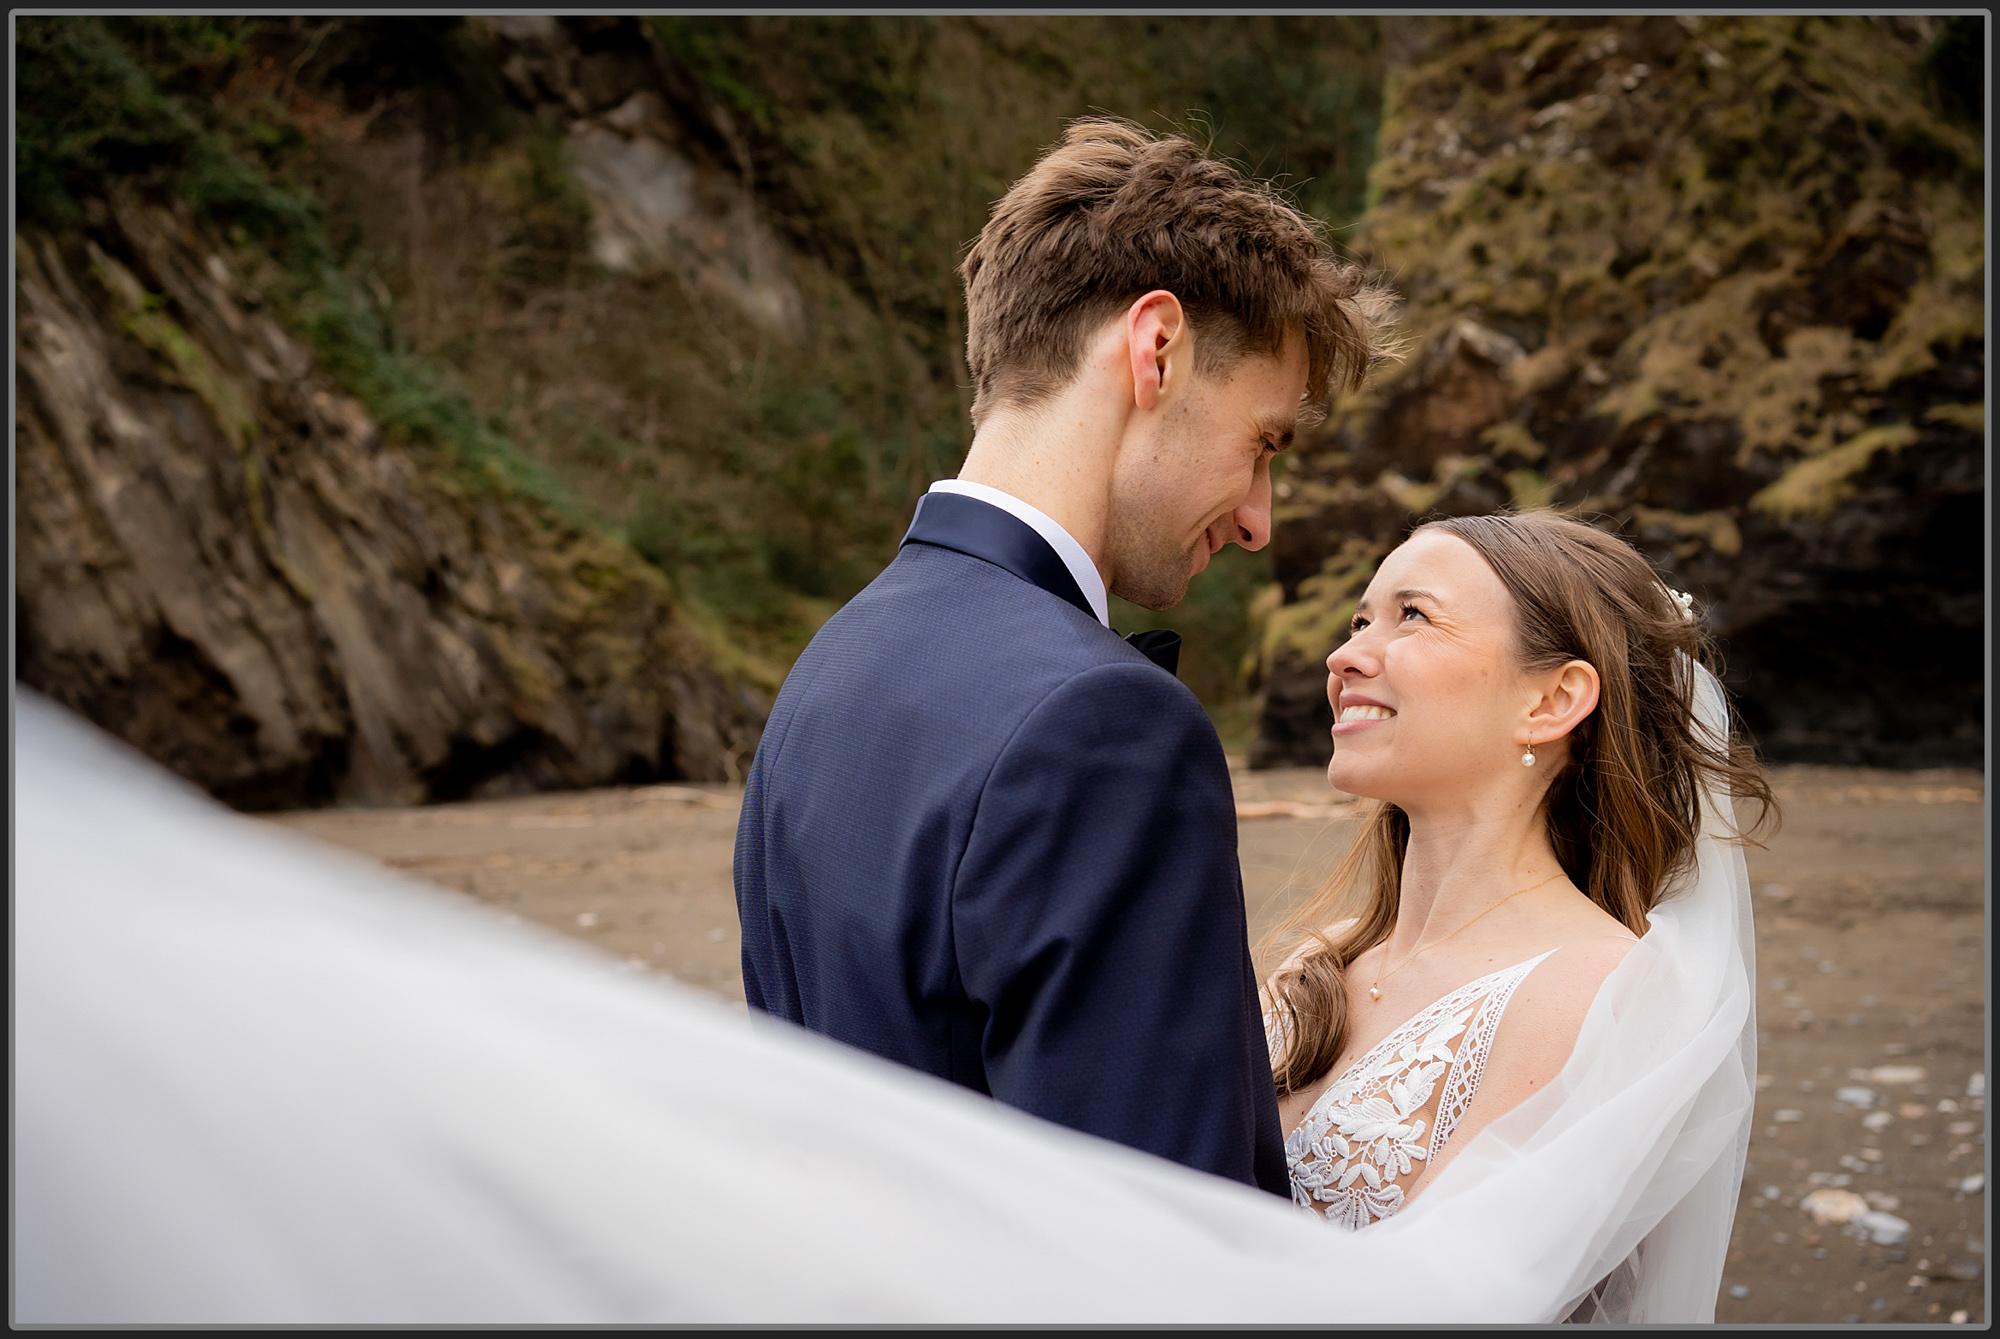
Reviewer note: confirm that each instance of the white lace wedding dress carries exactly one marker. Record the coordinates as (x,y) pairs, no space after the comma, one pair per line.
(1385,1117)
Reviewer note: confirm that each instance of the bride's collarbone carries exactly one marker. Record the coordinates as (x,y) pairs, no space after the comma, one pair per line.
(1405,984)
(1420,985)
(1434,973)
(1599,942)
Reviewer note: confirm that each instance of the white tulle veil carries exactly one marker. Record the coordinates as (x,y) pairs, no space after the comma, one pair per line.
(261,1082)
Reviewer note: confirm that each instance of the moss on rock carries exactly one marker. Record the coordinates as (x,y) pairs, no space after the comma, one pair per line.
(1711,282)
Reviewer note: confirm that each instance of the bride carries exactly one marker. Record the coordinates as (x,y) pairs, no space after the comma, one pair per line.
(1518,693)
(261,1082)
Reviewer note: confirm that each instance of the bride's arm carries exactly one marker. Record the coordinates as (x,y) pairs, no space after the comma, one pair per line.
(1535,1038)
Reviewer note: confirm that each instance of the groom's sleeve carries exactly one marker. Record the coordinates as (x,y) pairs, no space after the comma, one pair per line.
(1098,919)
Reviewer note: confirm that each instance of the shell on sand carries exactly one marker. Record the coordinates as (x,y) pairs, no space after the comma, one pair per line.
(1829,1206)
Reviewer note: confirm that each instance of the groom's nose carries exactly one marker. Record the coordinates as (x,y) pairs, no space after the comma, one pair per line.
(1251,521)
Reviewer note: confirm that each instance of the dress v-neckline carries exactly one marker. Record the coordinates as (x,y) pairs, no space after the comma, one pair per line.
(1420,1016)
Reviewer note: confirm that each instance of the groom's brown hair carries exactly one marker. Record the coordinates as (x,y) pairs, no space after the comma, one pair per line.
(1113,212)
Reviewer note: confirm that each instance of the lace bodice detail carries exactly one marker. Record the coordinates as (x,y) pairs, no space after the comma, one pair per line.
(1394,1108)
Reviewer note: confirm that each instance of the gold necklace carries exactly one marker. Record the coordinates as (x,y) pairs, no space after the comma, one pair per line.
(1375,988)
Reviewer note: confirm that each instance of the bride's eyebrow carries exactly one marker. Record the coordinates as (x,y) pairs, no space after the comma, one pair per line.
(1361,605)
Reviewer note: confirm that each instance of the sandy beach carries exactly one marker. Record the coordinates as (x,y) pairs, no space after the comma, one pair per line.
(1871,989)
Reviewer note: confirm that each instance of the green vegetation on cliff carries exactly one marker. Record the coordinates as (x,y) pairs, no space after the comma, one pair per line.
(755,413)
(141,103)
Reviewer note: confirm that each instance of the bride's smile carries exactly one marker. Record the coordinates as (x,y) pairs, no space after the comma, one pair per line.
(1356,710)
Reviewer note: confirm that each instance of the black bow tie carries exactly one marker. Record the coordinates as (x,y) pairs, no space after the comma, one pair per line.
(1158,645)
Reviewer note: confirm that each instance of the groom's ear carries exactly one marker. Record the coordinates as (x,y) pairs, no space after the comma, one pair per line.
(1569,694)
(1158,340)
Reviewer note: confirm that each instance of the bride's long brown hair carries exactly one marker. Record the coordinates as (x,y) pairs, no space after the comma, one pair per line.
(1623,814)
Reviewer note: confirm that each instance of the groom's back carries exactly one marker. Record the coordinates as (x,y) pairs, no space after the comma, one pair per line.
(987,839)
(865,791)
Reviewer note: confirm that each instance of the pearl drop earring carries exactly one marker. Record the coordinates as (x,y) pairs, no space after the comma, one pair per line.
(1528,758)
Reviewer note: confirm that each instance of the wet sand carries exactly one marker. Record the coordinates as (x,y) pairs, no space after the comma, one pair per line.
(1871,976)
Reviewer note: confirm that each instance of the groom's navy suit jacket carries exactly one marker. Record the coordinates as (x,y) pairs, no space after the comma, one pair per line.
(987,838)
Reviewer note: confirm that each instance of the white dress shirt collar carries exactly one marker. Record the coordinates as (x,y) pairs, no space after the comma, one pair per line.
(1088,579)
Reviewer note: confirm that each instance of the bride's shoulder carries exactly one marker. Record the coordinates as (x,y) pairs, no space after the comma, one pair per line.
(1575,969)
(1590,943)
(1588,960)
(1548,1008)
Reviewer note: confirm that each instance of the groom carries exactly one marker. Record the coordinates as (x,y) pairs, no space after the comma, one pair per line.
(984,835)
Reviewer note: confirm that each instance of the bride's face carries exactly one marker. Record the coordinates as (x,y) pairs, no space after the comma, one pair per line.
(1428,697)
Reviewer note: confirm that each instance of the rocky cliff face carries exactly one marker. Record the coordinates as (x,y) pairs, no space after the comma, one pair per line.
(223,561)
(688,281)
(1716,283)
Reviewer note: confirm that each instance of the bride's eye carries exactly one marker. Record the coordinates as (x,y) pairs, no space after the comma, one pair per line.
(1356,624)
(1409,609)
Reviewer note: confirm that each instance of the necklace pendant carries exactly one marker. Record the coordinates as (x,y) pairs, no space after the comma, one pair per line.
(1374,993)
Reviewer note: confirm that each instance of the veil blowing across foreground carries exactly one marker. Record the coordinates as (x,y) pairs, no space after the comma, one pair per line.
(263,1083)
